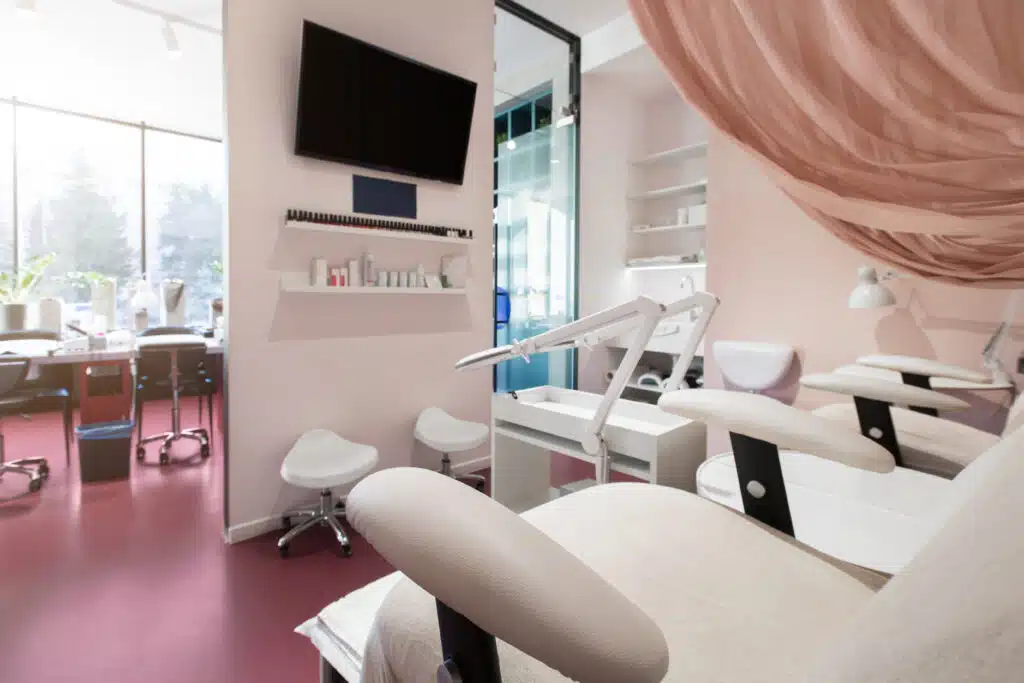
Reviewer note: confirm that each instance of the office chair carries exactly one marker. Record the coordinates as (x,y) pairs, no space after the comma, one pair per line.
(52,389)
(155,382)
(173,367)
(13,371)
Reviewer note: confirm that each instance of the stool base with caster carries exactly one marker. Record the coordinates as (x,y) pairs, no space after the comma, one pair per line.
(442,432)
(199,434)
(322,460)
(477,480)
(324,514)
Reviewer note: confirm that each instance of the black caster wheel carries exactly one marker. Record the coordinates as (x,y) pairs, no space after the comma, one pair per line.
(44,471)
(140,453)
(346,550)
(480,486)
(34,485)
(164,458)
(282,550)
(286,523)
(204,452)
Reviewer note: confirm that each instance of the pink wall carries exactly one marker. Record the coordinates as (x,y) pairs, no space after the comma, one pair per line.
(609,140)
(363,366)
(783,279)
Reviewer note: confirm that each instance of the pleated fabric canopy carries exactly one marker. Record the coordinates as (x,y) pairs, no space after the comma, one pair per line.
(898,125)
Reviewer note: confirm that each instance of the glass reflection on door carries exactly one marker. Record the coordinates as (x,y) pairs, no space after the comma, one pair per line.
(535,236)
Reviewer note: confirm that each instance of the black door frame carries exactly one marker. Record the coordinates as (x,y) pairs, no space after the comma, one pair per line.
(575,83)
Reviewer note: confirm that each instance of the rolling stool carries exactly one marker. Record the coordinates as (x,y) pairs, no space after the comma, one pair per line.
(444,433)
(12,371)
(321,459)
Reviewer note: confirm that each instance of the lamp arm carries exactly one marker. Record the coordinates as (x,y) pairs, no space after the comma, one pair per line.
(707,303)
(990,354)
(565,336)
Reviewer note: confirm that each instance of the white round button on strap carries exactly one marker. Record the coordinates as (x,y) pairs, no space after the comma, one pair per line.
(756,489)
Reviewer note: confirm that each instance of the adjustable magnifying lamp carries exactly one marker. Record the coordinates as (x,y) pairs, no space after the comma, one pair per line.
(643,315)
(871,292)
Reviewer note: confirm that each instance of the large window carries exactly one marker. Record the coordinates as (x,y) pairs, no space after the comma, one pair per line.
(184,215)
(79,198)
(6,186)
(76,186)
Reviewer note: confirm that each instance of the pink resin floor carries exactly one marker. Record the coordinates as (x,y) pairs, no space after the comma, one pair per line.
(131,581)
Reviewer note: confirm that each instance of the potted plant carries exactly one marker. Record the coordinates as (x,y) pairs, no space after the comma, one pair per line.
(16,287)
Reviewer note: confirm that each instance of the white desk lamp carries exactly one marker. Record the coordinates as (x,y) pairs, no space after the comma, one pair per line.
(870,292)
(642,314)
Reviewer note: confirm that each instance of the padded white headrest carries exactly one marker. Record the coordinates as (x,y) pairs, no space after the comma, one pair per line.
(769,420)
(506,576)
(882,390)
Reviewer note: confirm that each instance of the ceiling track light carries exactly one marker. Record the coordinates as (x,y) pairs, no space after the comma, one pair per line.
(171,40)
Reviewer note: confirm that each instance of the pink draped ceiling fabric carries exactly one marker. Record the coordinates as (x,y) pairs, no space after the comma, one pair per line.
(896,124)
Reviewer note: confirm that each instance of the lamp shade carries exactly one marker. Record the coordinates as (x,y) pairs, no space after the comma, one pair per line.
(869,292)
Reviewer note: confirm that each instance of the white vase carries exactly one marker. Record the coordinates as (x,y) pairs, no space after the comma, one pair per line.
(51,314)
(104,305)
(15,317)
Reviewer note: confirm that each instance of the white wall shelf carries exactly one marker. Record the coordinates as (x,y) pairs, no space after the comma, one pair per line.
(684,152)
(665,266)
(371,232)
(646,229)
(298,283)
(698,187)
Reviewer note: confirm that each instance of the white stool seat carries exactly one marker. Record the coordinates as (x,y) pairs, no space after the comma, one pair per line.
(447,434)
(321,459)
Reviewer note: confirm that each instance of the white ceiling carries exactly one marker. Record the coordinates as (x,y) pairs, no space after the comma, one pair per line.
(208,12)
(578,16)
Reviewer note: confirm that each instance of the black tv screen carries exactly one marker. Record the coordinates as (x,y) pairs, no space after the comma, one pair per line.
(362,105)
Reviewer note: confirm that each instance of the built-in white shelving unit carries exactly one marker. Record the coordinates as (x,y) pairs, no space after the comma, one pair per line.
(684,152)
(690,188)
(298,283)
(370,232)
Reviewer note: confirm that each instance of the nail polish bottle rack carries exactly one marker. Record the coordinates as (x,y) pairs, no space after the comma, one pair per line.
(379,227)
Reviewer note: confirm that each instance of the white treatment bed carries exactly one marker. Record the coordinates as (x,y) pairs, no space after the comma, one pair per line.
(402,644)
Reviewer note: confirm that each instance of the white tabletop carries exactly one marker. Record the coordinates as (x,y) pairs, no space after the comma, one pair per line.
(882,390)
(943,383)
(922,366)
(44,352)
(767,419)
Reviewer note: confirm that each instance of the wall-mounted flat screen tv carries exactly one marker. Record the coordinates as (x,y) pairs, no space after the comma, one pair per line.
(362,105)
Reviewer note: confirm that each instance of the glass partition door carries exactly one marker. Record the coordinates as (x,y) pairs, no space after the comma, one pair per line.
(535,198)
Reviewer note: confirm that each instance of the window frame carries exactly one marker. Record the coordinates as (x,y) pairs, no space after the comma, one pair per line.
(142,127)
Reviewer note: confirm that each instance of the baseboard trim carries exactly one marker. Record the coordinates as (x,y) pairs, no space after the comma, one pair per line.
(257,527)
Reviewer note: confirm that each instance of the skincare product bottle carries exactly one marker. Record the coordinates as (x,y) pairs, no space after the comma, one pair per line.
(382,278)
(421,277)
(369,269)
(355,278)
(318,272)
